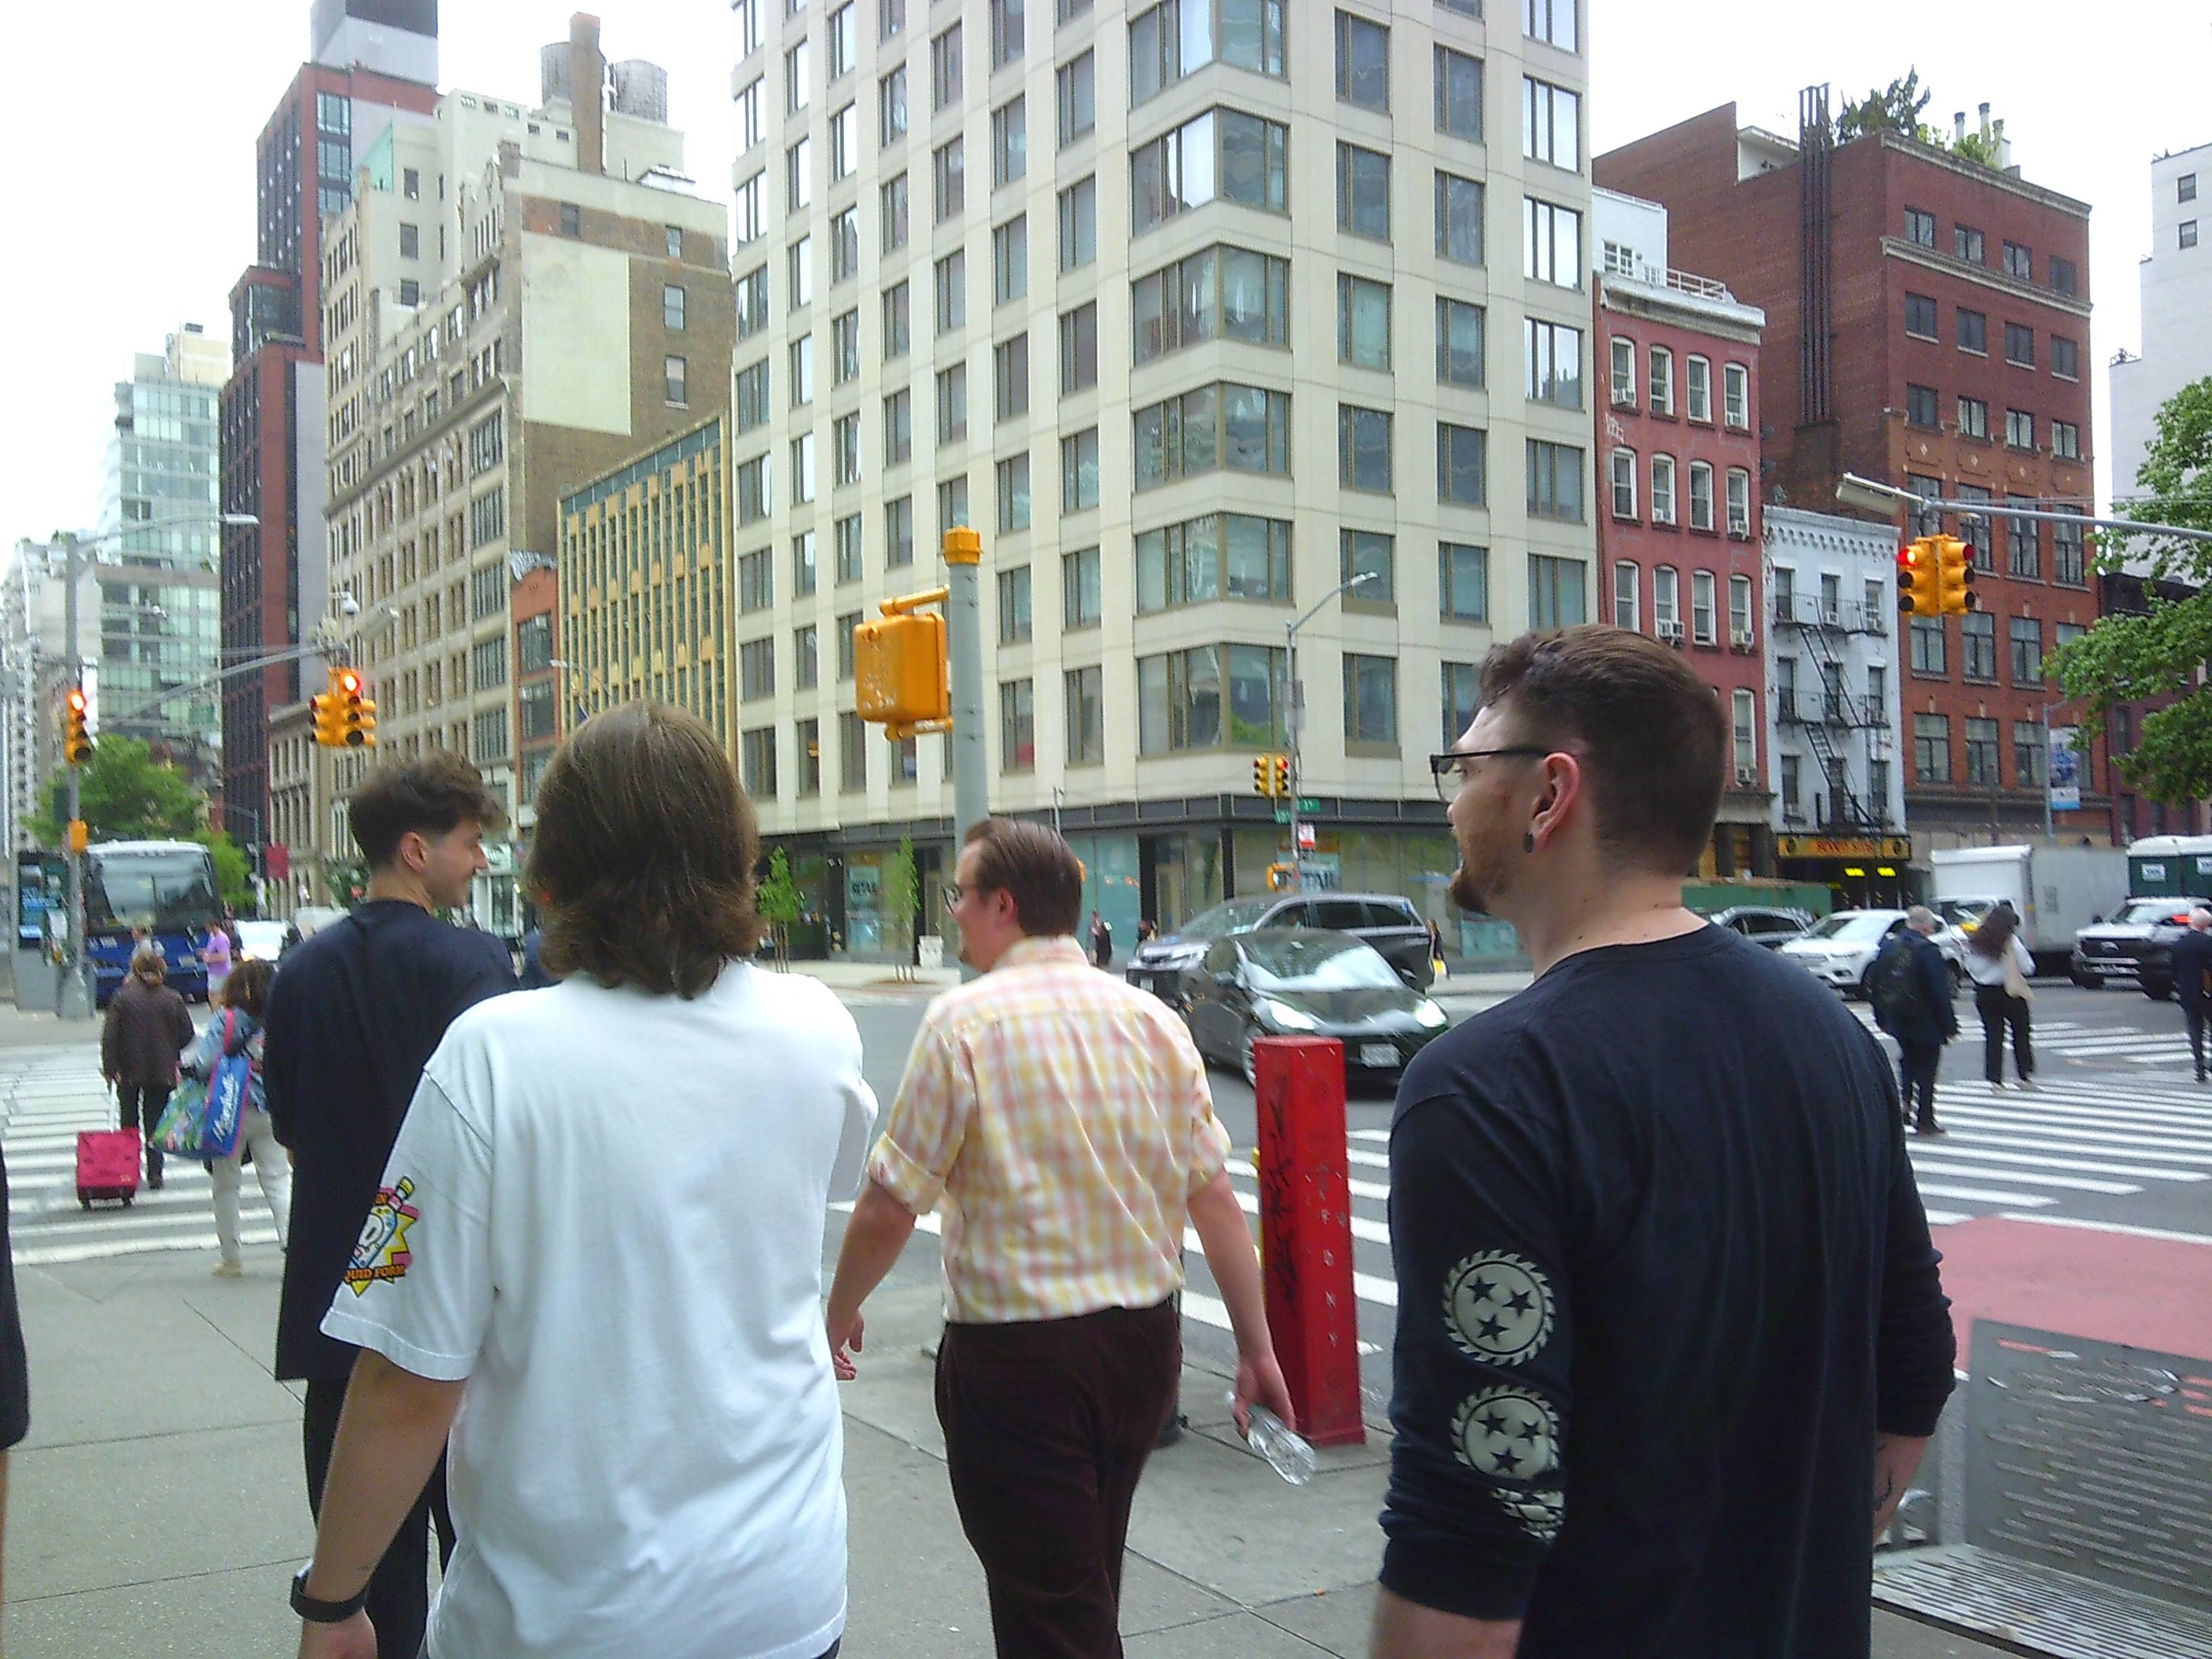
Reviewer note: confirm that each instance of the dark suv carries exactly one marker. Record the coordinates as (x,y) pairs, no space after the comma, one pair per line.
(1384,920)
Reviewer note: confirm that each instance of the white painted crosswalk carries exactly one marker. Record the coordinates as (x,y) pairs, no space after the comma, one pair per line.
(2097,1042)
(48,1095)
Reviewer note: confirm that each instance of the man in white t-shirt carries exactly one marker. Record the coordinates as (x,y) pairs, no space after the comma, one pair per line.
(596,1256)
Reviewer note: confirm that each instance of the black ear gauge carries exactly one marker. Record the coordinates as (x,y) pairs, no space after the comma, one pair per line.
(1529,841)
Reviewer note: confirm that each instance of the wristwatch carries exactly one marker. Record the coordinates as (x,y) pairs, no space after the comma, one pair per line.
(324,1612)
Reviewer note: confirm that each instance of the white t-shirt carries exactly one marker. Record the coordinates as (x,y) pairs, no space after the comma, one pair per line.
(606,1211)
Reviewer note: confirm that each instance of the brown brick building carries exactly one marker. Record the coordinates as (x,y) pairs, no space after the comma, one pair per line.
(1927,321)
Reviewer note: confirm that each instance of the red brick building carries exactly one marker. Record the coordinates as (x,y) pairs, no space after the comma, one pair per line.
(1927,321)
(1678,521)
(275,574)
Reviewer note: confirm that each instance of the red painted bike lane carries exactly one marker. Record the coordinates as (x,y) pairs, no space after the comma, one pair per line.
(2137,1288)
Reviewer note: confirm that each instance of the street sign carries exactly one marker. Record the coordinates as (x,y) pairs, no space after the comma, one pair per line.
(1309,803)
(1306,838)
(1282,815)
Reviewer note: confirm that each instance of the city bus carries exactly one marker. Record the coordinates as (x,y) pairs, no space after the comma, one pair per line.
(162,891)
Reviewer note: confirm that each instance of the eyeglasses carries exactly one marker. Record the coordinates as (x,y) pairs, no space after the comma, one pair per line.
(952,892)
(1451,775)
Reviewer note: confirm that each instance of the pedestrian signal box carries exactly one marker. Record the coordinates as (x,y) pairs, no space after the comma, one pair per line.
(901,672)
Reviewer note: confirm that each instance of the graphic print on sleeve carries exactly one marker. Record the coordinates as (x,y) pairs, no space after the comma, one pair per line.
(382,1250)
(1497,1307)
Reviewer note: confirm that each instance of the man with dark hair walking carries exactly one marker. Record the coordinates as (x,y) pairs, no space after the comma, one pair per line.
(1910,986)
(1666,1301)
(1063,1119)
(358,1008)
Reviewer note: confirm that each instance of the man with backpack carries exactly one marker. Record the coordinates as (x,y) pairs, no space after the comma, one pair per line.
(1910,986)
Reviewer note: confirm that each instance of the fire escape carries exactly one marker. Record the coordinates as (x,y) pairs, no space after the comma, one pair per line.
(1828,713)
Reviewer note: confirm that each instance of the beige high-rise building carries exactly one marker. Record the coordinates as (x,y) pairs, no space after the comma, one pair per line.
(532,298)
(1193,310)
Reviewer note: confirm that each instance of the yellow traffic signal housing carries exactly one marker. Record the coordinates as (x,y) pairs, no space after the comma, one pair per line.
(76,742)
(1263,775)
(901,672)
(1282,764)
(1956,565)
(1918,593)
(356,714)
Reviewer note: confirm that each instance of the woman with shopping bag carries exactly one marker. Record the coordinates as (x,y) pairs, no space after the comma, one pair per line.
(227,1059)
(1999,963)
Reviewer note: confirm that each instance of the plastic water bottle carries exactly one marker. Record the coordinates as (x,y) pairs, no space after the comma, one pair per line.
(1289,1454)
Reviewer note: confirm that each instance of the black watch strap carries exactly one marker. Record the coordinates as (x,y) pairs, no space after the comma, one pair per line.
(324,1612)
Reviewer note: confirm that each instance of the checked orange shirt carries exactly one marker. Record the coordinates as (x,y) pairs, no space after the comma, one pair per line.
(1063,1118)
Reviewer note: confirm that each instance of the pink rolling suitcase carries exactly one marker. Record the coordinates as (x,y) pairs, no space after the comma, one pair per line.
(106,1165)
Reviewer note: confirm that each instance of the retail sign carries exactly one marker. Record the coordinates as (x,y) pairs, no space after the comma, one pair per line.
(1843,846)
(2065,773)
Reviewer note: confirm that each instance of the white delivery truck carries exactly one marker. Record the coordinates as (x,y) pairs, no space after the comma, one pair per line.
(2058,890)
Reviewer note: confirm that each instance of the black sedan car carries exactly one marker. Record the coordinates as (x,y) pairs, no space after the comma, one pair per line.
(1303,981)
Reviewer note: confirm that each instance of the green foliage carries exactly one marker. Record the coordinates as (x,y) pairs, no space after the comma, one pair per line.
(902,891)
(233,876)
(345,879)
(778,903)
(2161,653)
(1893,108)
(124,794)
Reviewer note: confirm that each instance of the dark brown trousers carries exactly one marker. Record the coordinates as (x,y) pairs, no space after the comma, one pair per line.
(1047,1426)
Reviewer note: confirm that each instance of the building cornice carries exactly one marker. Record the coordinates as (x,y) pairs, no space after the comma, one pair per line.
(1912,253)
(2011,183)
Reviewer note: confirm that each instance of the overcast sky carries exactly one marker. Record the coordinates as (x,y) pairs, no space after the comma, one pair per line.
(131,127)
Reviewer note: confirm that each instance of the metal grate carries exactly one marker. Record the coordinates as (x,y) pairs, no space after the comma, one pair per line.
(2035,1609)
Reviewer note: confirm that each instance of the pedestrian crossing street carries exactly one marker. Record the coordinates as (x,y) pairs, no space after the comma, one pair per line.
(2097,1044)
(47,1095)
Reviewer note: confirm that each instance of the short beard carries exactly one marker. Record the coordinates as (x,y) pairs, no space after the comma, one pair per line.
(1476,883)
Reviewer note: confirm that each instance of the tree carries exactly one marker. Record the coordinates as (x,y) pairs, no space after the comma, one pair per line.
(902,889)
(124,794)
(2162,652)
(779,903)
(1893,108)
(233,876)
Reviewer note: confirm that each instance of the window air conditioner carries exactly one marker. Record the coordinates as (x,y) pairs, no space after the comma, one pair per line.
(1671,632)
(1740,638)
(1746,776)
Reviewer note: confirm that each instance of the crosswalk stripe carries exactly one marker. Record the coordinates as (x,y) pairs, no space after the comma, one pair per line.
(1984,1195)
(1956,1146)
(1926,1162)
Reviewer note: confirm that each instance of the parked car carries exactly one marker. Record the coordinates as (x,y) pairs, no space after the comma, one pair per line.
(2134,943)
(1389,923)
(1303,981)
(1840,949)
(262,938)
(1771,925)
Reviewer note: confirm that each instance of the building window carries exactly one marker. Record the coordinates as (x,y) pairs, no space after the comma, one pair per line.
(944,69)
(1461,452)
(1701,496)
(803,573)
(802,468)
(1010,141)
(1974,417)
(1079,589)
(1016,726)
(1459,219)
(1982,754)
(949,180)
(845,449)
(848,533)
(898,533)
(1076,97)
(755,490)
(1461,682)
(2188,233)
(1014,626)
(2026,650)
(951,277)
(1966,244)
(1372,553)
(2018,261)
(1744,732)
(1458,95)
(755,582)
(1179,698)
(1246,428)
(1551,123)
(799,275)
(1079,349)
(802,370)
(1010,260)
(2020,345)
(1919,228)
(1363,321)
(1667,601)
(1078,224)
(1931,748)
(1010,378)
(894,203)
(1697,388)
(898,427)
(1463,583)
(851,753)
(845,348)
(2019,428)
(1363,192)
(1370,699)
(2066,441)
(1740,623)
(1558,595)
(1626,606)
(1241,157)
(2031,753)
(1738,502)
(1009,31)
(1663,490)
(1702,601)
(1079,471)
(953,506)
(891,107)
(2065,358)
(1978,646)
(1459,342)
(2064,279)
(1920,316)
(844,143)
(1555,481)
(1553,357)
(2185,188)
(1362,449)
(758,751)
(1920,407)
(1624,470)
(898,323)
(1552,21)
(1662,381)
(1552,244)
(1086,703)
(572,219)
(1973,332)
(1928,653)
(1362,62)
(752,303)
(2024,545)
(1179,37)
(1622,373)
(844,246)
(1226,556)
(952,404)
(756,670)
(1014,493)
(799,176)
(1216,293)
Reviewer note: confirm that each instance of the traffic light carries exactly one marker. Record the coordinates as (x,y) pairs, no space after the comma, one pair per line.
(901,672)
(356,714)
(1956,575)
(1918,591)
(1282,775)
(1263,775)
(327,709)
(76,742)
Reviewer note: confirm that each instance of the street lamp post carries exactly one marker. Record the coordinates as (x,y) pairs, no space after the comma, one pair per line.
(75,1000)
(1296,708)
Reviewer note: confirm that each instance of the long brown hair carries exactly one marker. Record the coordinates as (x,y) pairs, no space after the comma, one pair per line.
(1992,935)
(645,853)
(247,988)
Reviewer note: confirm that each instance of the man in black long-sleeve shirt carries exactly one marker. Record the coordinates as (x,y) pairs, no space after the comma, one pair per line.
(1670,1335)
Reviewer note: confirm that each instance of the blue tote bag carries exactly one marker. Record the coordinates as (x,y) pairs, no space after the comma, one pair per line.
(226,1098)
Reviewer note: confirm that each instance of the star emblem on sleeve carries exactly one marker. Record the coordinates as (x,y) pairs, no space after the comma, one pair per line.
(1497,1307)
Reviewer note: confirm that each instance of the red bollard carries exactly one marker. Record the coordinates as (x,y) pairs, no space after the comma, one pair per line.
(1305,1232)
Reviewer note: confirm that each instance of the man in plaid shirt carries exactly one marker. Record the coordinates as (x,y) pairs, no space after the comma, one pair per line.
(1063,1119)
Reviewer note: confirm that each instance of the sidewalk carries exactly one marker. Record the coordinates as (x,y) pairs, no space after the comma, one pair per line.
(158,1508)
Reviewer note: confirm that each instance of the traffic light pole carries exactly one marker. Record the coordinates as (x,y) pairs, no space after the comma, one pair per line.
(1295,709)
(73,997)
(964,649)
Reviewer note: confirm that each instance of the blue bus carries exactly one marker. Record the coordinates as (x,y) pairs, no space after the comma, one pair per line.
(163,890)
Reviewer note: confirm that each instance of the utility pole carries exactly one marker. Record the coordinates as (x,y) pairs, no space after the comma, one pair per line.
(963,648)
(74,999)
(1295,708)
